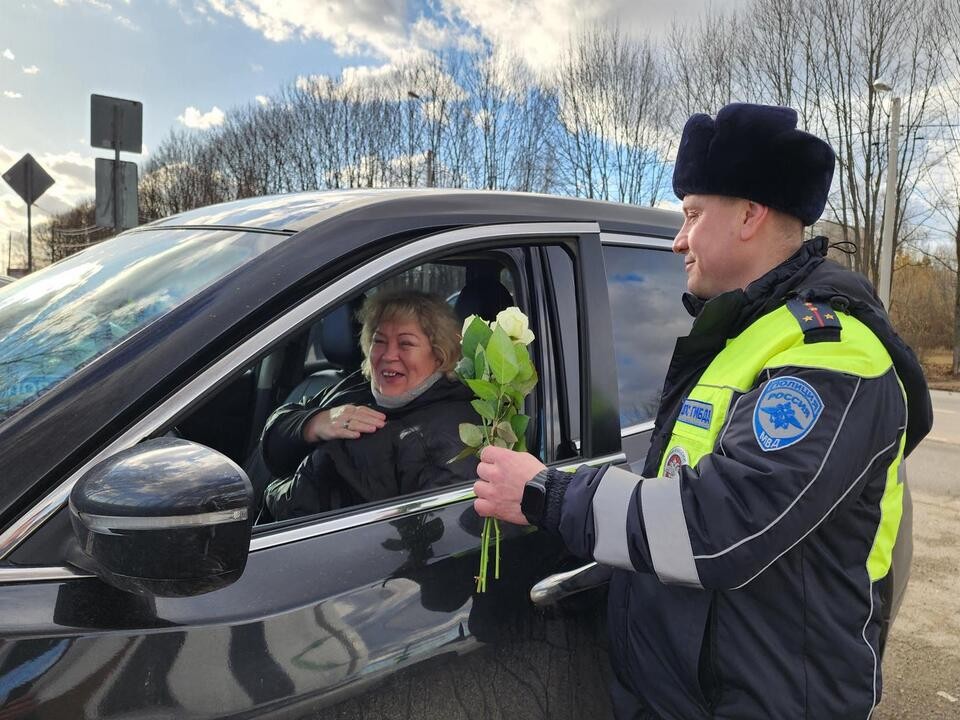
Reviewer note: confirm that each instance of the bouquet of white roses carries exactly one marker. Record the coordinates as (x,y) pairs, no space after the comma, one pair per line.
(496,366)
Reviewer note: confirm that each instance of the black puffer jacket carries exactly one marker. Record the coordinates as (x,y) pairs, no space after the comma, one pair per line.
(409,453)
(746,589)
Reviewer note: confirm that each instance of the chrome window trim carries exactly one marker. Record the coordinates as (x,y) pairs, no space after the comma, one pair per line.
(636,429)
(636,241)
(34,518)
(40,574)
(388,512)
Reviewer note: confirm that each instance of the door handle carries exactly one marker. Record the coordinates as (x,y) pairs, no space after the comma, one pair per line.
(555,587)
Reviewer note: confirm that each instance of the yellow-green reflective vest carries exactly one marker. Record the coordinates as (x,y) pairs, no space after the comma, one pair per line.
(775,341)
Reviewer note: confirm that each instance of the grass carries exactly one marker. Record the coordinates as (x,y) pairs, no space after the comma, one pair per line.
(937,363)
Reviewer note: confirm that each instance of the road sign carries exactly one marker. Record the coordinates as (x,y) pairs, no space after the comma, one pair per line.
(116,124)
(126,217)
(28,179)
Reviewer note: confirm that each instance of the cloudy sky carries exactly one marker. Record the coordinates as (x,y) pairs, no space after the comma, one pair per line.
(189,61)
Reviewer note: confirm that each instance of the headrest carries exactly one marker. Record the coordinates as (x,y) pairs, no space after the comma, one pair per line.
(755,152)
(340,335)
(481,298)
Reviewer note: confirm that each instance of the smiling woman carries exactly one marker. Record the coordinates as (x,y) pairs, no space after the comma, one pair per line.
(387,433)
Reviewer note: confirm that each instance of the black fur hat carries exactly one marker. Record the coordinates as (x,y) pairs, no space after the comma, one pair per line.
(755,152)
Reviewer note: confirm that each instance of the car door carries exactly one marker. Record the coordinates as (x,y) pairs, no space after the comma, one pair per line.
(370,612)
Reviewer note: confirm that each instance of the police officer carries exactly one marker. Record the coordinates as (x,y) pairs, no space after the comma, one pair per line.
(753,553)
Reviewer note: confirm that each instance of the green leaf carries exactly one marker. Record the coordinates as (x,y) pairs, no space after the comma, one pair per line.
(471,435)
(524,364)
(465,368)
(477,334)
(463,454)
(484,389)
(516,398)
(519,424)
(526,386)
(502,357)
(485,409)
(505,431)
(481,371)
(500,442)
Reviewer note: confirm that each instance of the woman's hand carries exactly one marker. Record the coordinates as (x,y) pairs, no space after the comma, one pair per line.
(345,422)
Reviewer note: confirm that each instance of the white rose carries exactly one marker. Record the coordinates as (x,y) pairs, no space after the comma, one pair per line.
(515,324)
(466,323)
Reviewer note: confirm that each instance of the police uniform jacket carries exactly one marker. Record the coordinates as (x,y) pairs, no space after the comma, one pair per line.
(753,554)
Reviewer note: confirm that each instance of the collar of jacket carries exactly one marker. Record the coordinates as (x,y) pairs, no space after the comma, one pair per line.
(443,390)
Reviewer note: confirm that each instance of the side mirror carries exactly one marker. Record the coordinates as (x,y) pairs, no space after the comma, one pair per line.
(168,517)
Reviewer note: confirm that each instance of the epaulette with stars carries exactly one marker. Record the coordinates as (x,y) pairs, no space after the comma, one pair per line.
(818,321)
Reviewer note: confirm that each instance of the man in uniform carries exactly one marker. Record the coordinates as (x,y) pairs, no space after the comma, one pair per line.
(753,554)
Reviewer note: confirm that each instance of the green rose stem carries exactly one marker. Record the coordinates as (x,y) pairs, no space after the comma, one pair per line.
(497,367)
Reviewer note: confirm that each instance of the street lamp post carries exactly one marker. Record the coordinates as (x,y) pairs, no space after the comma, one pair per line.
(890,198)
(430,178)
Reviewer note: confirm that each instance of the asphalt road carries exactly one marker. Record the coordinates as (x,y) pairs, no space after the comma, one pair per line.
(935,465)
(921,664)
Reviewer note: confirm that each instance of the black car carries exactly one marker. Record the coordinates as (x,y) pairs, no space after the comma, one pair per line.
(135,381)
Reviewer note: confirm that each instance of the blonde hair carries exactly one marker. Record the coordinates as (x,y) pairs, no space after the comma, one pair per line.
(431,312)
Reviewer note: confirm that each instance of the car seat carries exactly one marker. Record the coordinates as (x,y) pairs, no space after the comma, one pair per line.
(483,294)
(335,341)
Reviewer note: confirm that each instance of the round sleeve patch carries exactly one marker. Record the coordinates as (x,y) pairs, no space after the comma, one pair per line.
(787,410)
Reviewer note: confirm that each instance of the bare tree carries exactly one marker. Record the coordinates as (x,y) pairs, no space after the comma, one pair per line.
(613,112)
(891,39)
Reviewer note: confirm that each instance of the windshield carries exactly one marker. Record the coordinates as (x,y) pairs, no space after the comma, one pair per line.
(57,320)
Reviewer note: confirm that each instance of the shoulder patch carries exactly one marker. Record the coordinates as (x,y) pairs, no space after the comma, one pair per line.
(787,410)
(696,413)
(818,321)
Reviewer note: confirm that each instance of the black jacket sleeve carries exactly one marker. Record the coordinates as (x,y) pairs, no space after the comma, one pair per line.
(721,523)
(282,443)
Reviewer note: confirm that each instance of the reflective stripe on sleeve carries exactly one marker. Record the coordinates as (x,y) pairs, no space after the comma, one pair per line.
(667,535)
(611,503)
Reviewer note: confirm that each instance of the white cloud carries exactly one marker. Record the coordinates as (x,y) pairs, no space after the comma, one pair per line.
(8,54)
(412,72)
(263,99)
(256,68)
(193,118)
(11,94)
(370,27)
(94,3)
(127,23)
(32,70)
(537,30)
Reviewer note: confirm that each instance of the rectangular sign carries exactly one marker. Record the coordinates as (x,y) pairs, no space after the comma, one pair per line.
(112,118)
(128,194)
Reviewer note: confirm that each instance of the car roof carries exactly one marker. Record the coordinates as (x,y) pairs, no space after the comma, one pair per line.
(294,212)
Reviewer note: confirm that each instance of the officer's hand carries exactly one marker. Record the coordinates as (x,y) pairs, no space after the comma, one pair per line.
(503,473)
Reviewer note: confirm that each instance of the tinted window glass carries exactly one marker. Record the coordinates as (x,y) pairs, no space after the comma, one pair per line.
(645,287)
(55,321)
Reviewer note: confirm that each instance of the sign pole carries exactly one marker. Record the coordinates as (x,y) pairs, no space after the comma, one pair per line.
(29,220)
(116,168)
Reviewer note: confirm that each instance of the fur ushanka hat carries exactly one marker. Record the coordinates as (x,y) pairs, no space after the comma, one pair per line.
(755,152)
